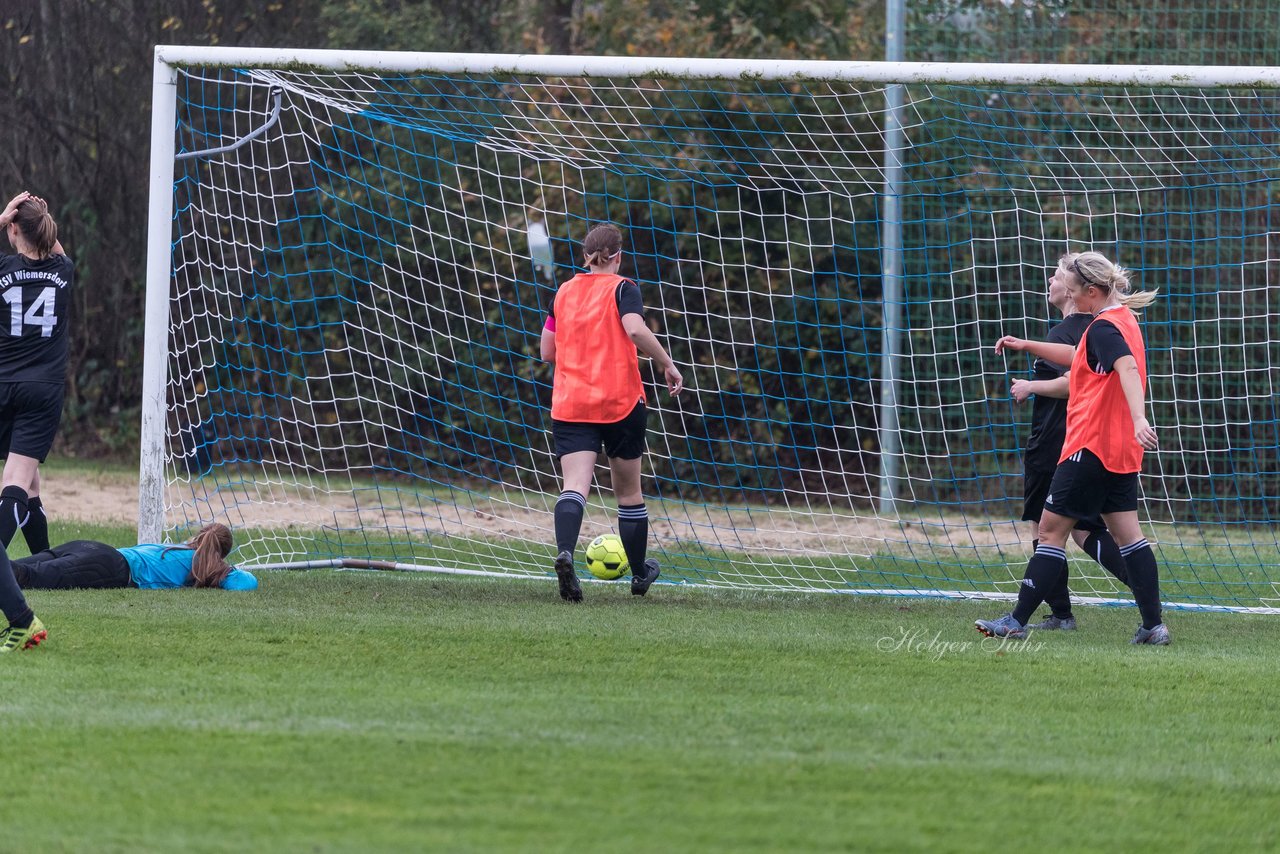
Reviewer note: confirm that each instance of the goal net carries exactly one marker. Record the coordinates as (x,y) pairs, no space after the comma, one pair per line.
(348,290)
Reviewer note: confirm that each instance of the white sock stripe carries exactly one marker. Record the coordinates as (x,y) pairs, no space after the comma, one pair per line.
(642,513)
(1051,551)
(1125,551)
(575,497)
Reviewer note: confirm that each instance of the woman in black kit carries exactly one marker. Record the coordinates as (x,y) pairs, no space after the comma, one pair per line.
(35,282)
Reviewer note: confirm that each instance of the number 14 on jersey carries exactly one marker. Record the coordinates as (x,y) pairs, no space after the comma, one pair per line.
(40,314)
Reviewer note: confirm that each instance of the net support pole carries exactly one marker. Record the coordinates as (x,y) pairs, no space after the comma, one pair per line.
(891,268)
(155,355)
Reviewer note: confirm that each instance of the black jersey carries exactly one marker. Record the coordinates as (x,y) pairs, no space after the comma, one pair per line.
(33,341)
(1049,414)
(1105,346)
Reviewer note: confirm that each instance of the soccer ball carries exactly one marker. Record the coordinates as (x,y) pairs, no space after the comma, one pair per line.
(606,558)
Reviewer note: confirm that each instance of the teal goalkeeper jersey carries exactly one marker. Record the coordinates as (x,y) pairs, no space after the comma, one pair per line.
(155,567)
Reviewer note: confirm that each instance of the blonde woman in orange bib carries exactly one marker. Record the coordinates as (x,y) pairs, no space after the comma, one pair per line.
(1107,434)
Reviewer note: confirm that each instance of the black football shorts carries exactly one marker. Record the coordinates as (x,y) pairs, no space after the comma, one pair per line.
(1082,488)
(1035,489)
(29,417)
(624,440)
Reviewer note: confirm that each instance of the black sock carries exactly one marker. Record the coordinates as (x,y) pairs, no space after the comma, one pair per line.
(570,507)
(12,602)
(633,530)
(36,531)
(1144,581)
(13,512)
(1058,597)
(1043,571)
(1101,546)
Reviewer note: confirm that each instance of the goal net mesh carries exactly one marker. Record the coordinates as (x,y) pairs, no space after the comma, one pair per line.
(359,290)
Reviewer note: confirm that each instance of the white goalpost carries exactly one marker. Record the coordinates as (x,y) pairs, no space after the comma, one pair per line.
(351,255)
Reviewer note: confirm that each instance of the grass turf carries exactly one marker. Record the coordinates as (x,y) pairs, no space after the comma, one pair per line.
(365,711)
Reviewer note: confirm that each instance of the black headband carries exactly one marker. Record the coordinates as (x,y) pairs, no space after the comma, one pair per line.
(1075,265)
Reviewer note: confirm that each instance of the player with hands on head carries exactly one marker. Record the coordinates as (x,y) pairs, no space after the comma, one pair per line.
(36,282)
(1049,387)
(1106,436)
(592,336)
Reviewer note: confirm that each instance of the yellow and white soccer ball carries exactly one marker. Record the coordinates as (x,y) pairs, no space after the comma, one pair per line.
(606,558)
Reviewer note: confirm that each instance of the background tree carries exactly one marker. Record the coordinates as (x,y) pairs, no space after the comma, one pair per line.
(76,98)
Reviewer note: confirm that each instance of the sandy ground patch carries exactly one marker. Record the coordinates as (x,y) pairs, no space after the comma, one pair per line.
(795,531)
(113,498)
(96,497)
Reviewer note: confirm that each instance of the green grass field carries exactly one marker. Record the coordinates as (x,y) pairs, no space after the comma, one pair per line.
(391,712)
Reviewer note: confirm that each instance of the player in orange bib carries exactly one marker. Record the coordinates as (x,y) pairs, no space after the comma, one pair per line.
(1050,386)
(1107,433)
(592,336)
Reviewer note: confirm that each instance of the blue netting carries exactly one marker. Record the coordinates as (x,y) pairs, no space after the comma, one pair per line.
(357,312)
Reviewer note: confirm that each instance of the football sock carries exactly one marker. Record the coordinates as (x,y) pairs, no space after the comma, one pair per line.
(12,602)
(1058,597)
(1144,581)
(1101,546)
(1043,571)
(633,530)
(36,530)
(570,507)
(13,512)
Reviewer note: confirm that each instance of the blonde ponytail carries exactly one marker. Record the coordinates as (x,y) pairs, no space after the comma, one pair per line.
(1093,268)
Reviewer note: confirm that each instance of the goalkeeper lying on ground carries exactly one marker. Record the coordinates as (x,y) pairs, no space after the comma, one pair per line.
(200,562)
